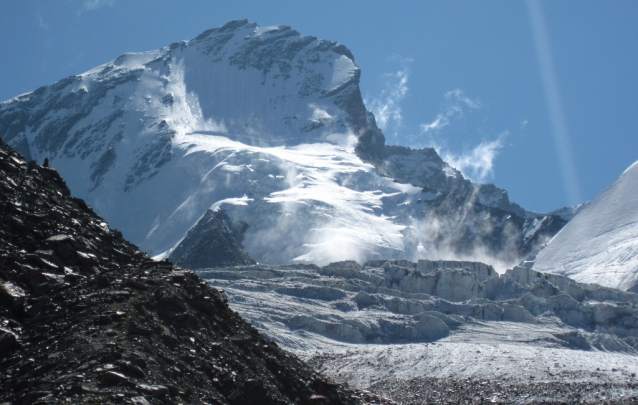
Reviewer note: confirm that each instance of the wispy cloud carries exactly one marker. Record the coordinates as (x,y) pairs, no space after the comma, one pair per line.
(439,122)
(387,106)
(42,22)
(454,104)
(478,163)
(92,5)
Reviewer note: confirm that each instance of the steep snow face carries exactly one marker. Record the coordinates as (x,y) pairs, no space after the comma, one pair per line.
(310,203)
(600,245)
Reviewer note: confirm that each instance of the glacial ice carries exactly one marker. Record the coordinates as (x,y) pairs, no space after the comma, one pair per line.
(399,320)
(403,302)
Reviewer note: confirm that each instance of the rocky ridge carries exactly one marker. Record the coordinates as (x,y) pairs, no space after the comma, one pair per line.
(85,317)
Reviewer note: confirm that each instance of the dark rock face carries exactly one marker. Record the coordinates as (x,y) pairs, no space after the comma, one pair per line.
(371,146)
(214,242)
(423,168)
(465,218)
(85,317)
(467,226)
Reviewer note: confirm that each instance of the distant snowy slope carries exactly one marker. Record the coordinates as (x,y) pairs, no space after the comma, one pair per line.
(600,245)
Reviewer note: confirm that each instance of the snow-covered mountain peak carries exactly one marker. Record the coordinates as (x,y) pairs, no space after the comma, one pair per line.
(259,86)
(285,88)
(268,125)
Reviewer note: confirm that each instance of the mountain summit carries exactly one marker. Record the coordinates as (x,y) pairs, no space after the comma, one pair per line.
(269,126)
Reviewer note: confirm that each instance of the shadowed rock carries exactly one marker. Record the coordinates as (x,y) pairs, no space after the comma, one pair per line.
(214,242)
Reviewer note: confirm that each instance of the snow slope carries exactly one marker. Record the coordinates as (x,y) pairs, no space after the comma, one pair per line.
(312,203)
(600,245)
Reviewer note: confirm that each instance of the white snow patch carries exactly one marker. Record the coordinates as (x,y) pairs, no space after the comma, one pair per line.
(232,201)
(262,30)
(344,70)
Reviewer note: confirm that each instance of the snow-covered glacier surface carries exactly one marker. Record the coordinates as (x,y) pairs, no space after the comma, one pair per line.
(395,321)
(600,245)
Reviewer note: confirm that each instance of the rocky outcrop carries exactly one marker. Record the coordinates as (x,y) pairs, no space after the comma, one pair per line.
(423,168)
(215,241)
(371,146)
(85,317)
(467,226)
(466,219)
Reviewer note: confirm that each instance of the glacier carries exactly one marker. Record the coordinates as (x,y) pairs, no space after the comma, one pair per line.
(401,323)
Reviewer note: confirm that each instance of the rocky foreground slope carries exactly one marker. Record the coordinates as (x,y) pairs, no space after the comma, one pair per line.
(85,317)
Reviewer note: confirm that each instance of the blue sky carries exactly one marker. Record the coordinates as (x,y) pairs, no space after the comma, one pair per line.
(539,98)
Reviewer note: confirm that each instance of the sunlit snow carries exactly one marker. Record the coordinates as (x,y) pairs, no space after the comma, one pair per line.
(600,245)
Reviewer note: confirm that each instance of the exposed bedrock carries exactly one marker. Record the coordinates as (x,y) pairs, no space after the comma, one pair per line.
(215,241)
